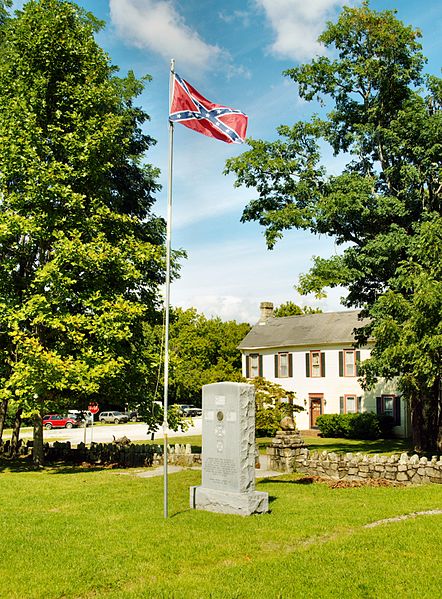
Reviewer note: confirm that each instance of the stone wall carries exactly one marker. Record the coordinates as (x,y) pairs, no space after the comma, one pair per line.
(122,454)
(358,467)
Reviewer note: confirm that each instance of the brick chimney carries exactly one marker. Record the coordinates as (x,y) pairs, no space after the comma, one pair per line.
(266,311)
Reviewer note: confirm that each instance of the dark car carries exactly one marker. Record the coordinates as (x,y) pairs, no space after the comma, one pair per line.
(192,412)
(59,421)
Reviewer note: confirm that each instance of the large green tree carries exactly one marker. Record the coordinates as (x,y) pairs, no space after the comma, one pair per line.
(202,351)
(81,255)
(384,116)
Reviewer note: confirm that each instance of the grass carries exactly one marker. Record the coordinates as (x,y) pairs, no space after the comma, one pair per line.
(84,534)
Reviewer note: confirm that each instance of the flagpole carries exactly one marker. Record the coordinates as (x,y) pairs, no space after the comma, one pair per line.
(167,298)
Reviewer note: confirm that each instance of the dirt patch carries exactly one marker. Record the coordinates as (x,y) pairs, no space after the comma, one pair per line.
(404,517)
(348,484)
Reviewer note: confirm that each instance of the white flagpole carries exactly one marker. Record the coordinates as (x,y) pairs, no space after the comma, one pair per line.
(167,295)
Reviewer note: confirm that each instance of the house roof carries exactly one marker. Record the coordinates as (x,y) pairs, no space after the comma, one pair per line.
(306,329)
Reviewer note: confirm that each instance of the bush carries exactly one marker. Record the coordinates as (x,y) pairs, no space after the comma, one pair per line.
(331,425)
(365,425)
(386,424)
(268,419)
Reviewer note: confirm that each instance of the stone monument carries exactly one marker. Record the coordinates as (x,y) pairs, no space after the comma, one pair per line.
(228,453)
(285,447)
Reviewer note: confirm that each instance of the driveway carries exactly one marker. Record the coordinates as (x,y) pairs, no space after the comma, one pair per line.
(105,433)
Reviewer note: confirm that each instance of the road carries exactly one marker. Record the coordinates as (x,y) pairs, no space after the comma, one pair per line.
(104,433)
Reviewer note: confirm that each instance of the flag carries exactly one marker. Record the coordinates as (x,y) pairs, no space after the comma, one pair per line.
(192,110)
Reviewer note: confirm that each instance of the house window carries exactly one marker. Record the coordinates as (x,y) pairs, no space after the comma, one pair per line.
(283,365)
(389,405)
(348,362)
(315,364)
(253,366)
(350,404)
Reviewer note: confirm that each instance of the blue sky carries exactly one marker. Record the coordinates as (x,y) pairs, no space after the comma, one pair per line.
(234,53)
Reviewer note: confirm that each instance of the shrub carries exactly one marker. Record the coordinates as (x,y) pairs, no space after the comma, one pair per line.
(386,424)
(331,425)
(365,425)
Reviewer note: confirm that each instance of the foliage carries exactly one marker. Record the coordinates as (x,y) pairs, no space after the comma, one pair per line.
(80,252)
(291,309)
(385,119)
(364,425)
(408,330)
(202,351)
(272,404)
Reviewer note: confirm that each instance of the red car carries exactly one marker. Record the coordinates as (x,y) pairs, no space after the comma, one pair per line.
(58,421)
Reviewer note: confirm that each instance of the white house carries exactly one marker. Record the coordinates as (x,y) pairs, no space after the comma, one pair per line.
(315,356)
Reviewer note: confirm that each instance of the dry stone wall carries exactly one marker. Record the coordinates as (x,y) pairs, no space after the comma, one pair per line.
(286,454)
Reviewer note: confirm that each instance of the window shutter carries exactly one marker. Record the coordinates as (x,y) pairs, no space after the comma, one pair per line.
(341,363)
(307,364)
(378,406)
(322,363)
(341,405)
(290,365)
(397,410)
(276,366)
(247,367)
(260,365)
(358,359)
(359,404)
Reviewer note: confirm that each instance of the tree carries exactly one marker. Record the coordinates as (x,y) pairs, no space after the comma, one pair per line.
(291,309)
(4,5)
(408,331)
(272,404)
(385,115)
(202,351)
(81,254)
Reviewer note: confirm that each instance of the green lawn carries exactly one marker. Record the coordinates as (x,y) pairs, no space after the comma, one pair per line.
(72,533)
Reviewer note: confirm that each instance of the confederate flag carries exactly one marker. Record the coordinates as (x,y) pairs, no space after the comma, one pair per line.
(192,110)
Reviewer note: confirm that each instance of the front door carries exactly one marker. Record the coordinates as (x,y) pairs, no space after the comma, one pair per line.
(315,410)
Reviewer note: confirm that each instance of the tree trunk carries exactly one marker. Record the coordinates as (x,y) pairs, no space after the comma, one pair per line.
(16,432)
(3,413)
(37,450)
(426,420)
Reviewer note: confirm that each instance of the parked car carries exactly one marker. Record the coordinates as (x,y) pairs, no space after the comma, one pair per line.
(183,407)
(134,417)
(113,416)
(59,421)
(84,416)
(192,412)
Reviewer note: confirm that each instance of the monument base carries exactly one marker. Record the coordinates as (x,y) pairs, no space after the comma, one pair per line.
(222,502)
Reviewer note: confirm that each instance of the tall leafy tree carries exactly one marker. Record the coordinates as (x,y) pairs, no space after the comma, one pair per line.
(291,309)
(202,351)
(385,117)
(81,254)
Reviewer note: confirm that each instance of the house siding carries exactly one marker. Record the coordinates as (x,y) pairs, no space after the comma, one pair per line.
(331,387)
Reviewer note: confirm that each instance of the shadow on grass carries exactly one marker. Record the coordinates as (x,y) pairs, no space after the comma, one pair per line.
(305,480)
(16,464)
(25,465)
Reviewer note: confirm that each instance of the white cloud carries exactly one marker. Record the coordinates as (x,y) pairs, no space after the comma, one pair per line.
(297,24)
(230,279)
(237,15)
(156,25)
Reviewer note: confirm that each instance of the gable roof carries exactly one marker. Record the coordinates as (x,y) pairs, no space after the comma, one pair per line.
(306,329)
